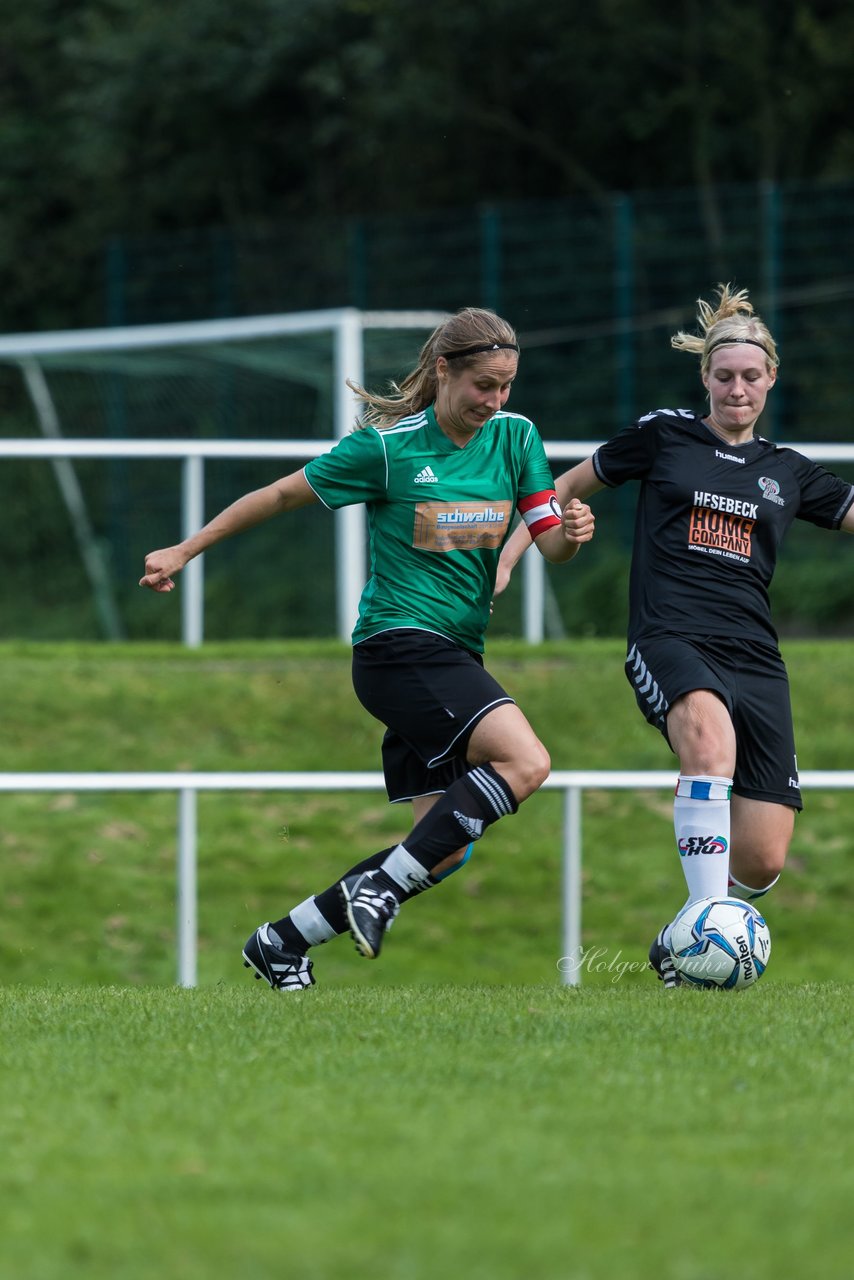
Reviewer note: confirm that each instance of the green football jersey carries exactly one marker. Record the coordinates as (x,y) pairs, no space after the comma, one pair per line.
(438,516)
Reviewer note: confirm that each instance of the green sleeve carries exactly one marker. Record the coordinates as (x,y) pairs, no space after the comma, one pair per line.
(354,470)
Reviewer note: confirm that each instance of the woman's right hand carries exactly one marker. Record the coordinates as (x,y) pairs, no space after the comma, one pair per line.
(160,566)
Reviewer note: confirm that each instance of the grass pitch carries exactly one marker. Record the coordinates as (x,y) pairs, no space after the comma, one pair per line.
(451,1111)
(490,1133)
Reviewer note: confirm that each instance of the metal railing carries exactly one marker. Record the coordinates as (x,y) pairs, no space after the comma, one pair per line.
(350,525)
(573,783)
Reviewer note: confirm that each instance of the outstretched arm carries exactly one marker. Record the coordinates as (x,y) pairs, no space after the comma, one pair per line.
(577,483)
(285,494)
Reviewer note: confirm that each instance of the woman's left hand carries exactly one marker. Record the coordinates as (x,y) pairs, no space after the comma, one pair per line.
(579,521)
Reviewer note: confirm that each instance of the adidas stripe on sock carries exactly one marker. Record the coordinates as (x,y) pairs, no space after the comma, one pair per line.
(459,816)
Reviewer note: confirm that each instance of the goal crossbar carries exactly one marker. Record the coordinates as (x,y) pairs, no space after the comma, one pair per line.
(17,346)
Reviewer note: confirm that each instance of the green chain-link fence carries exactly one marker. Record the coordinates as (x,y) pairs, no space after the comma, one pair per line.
(594,288)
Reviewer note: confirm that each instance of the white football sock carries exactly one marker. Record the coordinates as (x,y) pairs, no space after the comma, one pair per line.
(701,820)
(739,890)
(406,871)
(313,926)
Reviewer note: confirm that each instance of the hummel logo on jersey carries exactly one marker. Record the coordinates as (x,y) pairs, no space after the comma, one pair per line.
(474,826)
(729,457)
(427,476)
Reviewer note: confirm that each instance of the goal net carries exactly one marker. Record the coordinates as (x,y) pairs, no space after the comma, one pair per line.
(117,441)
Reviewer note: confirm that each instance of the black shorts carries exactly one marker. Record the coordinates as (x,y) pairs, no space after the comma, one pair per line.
(750,677)
(429,693)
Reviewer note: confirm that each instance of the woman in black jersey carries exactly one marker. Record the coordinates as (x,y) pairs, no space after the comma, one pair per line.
(715,501)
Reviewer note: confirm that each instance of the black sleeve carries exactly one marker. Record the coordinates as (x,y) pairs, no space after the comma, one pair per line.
(629,454)
(824,497)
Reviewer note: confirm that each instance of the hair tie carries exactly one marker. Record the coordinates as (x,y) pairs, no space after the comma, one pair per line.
(475,351)
(728,342)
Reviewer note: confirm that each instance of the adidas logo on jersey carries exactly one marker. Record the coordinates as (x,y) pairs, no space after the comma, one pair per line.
(426,476)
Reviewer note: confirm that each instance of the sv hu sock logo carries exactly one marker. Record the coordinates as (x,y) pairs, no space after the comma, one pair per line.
(689,846)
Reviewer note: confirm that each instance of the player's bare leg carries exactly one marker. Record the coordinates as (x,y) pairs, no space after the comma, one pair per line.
(761,835)
(508,763)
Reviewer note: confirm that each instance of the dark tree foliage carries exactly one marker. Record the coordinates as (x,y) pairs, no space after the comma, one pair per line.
(120,117)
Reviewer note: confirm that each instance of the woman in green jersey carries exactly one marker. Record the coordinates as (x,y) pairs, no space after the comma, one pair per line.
(442,467)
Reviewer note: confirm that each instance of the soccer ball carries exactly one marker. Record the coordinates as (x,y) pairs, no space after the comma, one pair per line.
(720,942)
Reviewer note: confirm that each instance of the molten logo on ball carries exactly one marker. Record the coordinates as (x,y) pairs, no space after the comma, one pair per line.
(720,942)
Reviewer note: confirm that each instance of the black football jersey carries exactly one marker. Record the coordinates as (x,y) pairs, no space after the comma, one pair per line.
(710,518)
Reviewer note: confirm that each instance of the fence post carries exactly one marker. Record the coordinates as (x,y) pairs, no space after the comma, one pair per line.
(192,519)
(350,523)
(771,229)
(624,303)
(187,887)
(570,967)
(490,256)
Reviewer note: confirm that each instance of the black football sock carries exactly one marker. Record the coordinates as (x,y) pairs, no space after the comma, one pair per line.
(459,816)
(331,909)
(329,902)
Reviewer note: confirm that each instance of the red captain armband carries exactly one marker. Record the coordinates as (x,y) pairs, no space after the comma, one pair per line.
(540,511)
